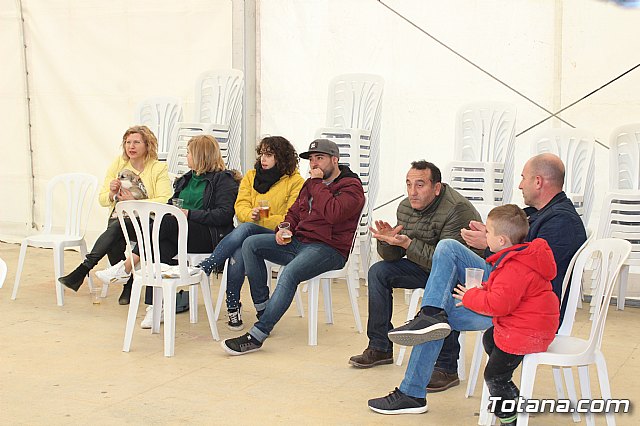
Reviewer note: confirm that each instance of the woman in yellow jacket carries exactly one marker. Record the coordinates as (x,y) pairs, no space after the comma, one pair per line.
(144,177)
(276,182)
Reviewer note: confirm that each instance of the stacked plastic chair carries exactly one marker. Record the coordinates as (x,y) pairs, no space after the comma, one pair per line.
(354,110)
(483,169)
(576,149)
(624,164)
(161,115)
(218,102)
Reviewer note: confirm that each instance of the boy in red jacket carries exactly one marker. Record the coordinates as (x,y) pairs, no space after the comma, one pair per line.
(519,297)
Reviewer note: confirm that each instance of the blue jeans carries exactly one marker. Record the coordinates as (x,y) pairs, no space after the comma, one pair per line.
(382,278)
(448,269)
(303,260)
(231,248)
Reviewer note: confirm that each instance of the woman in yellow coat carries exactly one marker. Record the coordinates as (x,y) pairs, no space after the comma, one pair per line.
(274,183)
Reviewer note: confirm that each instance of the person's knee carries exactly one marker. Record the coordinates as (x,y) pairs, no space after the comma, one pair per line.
(447,247)
(377,277)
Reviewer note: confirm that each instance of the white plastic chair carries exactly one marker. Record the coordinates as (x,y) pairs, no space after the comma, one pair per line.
(3,272)
(575,148)
(624,158)
(566,351)
(182,133)
(485,132)
(80,190)
(147,229)
(218,100)
(160,114)
(479,182)
(619,218)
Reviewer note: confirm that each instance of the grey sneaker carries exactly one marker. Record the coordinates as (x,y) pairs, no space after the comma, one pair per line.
(241,345)
(398,403)
(423,328)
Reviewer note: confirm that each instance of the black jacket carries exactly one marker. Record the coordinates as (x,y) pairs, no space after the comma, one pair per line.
(217,200)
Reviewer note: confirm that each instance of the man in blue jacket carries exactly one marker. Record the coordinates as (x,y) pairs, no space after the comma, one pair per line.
(551,217)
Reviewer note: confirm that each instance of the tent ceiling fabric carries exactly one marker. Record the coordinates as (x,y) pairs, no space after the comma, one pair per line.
(91,62)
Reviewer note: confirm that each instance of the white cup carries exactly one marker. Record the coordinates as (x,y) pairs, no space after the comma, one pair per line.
(473,277)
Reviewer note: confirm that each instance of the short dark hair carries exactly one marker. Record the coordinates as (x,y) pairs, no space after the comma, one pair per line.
(510,220)
(436,176)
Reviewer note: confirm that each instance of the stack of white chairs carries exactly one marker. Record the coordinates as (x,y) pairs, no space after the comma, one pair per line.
(354,110)
(576,149)
(161,115)
(624,156)
(483,169)
(177,158)
(218,102)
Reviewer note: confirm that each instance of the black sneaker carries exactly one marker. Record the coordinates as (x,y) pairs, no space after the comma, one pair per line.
(241,345)
(235,319)
(423,328)
(398,403)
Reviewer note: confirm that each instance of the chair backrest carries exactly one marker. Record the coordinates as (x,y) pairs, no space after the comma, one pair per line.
(575,148)
(574,277)
(3,272)
(160,114)
(183,132)
(146,217)
(479,182)
(80,190)
(608,255)
(619,218)
(218,96)
(355,101)
(485,131)
(624,157)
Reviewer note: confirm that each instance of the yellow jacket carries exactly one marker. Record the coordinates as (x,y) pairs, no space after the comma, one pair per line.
(155,178)
(281,196)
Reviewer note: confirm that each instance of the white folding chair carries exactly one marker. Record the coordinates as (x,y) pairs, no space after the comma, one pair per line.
(79,189)
(567,351)
(148,217)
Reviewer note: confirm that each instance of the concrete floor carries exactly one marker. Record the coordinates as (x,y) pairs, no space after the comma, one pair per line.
(65,365)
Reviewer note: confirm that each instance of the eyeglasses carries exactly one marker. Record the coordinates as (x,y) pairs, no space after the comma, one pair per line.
(133,142)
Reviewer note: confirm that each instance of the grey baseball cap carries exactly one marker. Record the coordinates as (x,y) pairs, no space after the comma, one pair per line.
(324,146)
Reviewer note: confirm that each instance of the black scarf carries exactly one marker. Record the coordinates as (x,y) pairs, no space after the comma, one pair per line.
(265,179)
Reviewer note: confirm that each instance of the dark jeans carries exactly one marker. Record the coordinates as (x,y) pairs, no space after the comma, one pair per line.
(498,373)
(110,243)
(382,278)
(198,241)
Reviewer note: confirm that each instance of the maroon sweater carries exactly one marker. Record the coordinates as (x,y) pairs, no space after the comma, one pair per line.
(334,213)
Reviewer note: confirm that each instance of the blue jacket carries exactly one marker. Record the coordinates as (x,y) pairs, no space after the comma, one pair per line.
(561,226)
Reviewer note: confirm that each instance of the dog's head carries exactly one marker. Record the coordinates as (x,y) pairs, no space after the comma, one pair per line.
(128,178)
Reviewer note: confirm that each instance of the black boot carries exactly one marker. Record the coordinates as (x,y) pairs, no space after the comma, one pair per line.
(75,279)
(125,296)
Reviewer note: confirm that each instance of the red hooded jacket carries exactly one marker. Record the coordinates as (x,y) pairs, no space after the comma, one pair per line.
(519,297)
(332,216)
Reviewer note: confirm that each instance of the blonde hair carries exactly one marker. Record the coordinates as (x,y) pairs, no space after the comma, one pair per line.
(205,154)
(148,138)
(511,221)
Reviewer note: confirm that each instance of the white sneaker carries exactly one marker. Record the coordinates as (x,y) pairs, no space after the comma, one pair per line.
(114,274)
(147,322)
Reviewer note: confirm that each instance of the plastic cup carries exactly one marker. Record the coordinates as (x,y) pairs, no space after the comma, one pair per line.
(264,208)
(96,295)
(285,227)
(177,202)
(473,277)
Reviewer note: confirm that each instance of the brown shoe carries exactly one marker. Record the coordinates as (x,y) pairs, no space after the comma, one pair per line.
(441,381)
(371,358)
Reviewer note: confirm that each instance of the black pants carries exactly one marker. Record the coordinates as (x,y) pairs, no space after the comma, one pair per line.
(198,241)
(498,374)
(110,243)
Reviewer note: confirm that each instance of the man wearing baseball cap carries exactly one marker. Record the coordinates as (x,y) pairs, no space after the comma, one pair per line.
(323,220)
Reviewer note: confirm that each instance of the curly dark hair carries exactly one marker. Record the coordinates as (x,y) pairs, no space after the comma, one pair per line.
(285,153)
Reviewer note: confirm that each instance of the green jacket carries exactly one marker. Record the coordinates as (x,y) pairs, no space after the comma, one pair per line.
(443,218)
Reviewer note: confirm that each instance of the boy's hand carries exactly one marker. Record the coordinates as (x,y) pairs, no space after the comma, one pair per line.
(460,290)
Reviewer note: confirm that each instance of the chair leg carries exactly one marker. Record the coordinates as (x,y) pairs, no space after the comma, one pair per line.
(474,370)
(486,418)
(622,286)
(157,309)
(353,298)
(222,293)
(16,283)
(605,388)
(571,391)
(299,304)
(413,308)
(326,297)
(169,301)
(585,389)
(529,367)
(313,290)
(131,316)
(462,356)
(193,302)
(208,306)
(58,267)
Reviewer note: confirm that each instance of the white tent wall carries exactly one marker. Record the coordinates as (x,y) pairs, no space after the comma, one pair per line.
(553,52)
(90,62)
